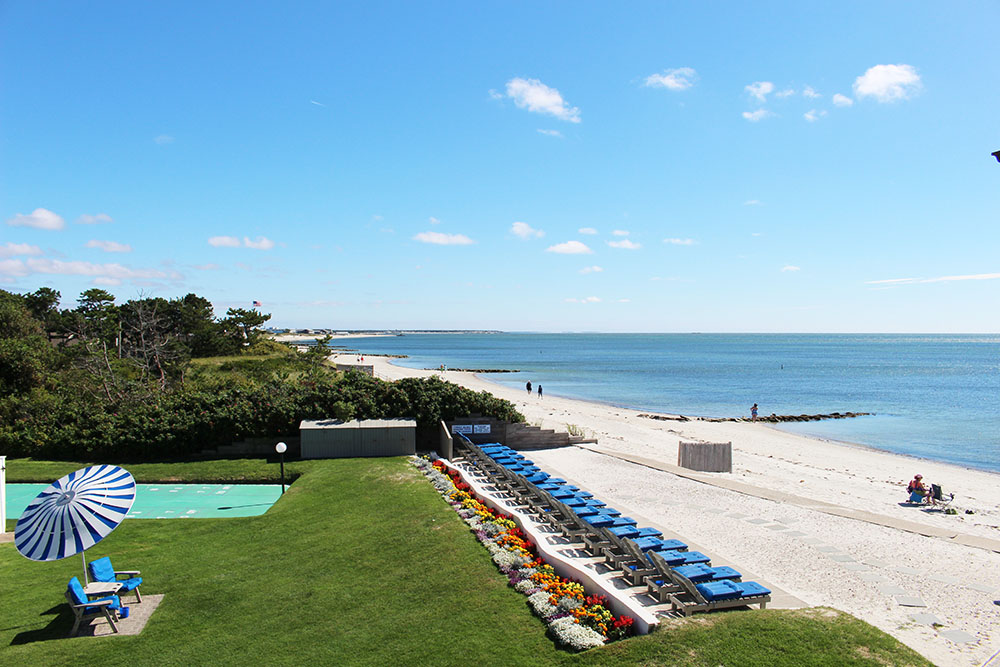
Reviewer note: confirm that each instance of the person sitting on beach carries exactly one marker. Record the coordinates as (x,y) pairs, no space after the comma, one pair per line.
(918,492)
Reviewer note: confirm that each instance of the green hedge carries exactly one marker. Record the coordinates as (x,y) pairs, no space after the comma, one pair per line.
(177,424)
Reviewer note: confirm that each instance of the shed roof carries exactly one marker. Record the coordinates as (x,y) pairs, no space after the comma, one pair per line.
(367,423)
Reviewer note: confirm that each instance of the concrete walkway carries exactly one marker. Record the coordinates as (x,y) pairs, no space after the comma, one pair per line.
(807,503)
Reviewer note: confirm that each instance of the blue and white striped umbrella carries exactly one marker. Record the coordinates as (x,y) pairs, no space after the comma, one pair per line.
(75,513)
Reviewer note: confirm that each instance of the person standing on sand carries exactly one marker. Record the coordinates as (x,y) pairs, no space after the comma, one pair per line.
(753,412)
(528,387)
(539,391)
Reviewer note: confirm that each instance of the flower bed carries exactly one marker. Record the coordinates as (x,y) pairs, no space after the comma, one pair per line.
(575,619)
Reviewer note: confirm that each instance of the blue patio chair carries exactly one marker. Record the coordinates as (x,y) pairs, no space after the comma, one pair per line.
(101,570)
(85,610)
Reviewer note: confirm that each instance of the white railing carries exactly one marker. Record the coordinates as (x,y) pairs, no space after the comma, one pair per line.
(3,494)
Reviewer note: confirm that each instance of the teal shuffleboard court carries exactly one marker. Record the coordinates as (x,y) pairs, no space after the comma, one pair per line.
(174,501)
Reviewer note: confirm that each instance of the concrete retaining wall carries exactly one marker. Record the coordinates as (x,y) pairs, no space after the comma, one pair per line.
(331,438)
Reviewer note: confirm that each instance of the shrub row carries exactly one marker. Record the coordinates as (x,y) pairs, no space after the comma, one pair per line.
(176,424)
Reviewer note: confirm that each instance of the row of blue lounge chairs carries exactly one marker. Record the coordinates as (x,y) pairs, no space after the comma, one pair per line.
(670,572)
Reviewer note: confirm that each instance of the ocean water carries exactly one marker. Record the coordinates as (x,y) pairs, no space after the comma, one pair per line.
(934,396)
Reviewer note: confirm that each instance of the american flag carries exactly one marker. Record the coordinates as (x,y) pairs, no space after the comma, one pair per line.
(256,304)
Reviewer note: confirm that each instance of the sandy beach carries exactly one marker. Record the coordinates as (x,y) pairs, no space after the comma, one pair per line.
(821,520)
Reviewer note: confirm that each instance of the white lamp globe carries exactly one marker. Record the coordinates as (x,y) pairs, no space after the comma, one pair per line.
(281,448)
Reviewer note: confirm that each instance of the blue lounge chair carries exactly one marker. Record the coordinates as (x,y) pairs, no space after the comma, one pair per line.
(85,610)
(675,558)
(700,573)
(634,532)
(674,580)
(606,520)
(587,511)
(101,570)
(660,544)
(719,595)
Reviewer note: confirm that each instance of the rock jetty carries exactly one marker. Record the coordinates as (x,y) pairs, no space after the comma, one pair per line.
(772,419)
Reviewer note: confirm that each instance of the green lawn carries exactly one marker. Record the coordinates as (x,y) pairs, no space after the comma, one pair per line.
(360,562)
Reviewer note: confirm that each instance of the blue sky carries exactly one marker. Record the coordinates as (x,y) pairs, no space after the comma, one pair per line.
(517,166)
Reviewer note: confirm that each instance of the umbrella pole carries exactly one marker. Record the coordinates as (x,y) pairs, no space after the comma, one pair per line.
(83,557)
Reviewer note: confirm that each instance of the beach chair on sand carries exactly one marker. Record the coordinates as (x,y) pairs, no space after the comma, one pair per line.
(713,595)
(85,610)
(101,570)
(939,499)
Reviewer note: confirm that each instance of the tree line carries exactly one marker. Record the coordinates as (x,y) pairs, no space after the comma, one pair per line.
(155,378)
(141,344)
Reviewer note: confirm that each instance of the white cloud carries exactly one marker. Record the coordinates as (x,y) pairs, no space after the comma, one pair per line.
(842,100)
(759,90)
(888,83)
(107,282)
(93,219)
(787,92)
(18,267)
(591,269)
(260,243)
(620,232)
(809,92)
(812,115)
(163,140)
(754,116)
(224,242)
(586,230)
(433,220)
(109,246)
(13,249)
(551,133)
(437,238)
(533,95)
(570,248)
(941,279)
(680,241)
(680,78)
(207,267)
(13,268)
(525,231)
(625,244)
(495,95)
(790,268)
(40,218)
(319,104)
(588,299)
(752,202)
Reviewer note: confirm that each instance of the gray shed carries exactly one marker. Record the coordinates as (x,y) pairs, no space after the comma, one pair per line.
(333,439)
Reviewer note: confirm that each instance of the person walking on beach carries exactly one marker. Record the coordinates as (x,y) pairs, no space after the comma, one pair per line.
(539,391)
(528,387)
(753,412)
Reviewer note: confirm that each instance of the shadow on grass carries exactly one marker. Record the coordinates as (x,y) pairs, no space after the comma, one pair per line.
(56,628)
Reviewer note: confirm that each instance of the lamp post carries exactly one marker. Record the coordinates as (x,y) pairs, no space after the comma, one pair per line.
(281,448)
